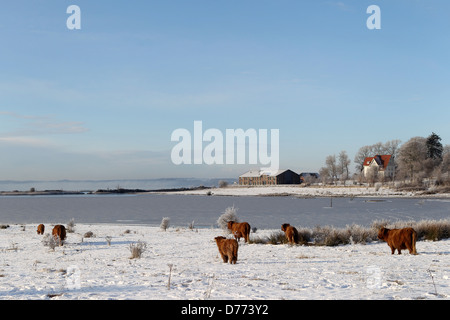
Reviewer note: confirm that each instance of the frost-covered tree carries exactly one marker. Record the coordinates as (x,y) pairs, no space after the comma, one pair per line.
(165,222)
(412,156)
(343,166)
(332,167)
(228,215)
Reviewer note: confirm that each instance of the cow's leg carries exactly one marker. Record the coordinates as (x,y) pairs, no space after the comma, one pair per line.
(410,249)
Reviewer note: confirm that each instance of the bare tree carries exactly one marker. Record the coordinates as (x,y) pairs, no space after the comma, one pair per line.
(324,174)
(445,164)
(332,167)
(343,166)
(378,148)
(442,172)
(412,156)
(372,175)
(392,147)
(361,155)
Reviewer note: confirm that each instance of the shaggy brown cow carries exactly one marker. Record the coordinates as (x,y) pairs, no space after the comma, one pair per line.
(228,249)
(59,233)
(290,232)
(399,239)
(40,229)
(239,230)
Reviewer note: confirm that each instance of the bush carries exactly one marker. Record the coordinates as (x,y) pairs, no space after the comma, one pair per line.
(71,226)
(137,249)
(277,237)
(165,223)
(88,234)
(50,241)
(228,215)
(358,234)
(223,184)
(330,236)
(305,235)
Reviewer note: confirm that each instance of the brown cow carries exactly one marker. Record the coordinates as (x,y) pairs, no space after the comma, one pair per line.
(239,230)
(40,229)
(290,232)
(228,249)
(59,233)
(399,239)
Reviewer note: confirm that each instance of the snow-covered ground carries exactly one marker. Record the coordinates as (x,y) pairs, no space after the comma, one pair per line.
(311,191)
(90,268)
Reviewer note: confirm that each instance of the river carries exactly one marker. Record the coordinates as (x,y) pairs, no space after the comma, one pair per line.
(260,212)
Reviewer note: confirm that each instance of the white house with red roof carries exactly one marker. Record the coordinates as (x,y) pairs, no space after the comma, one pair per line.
(384,164)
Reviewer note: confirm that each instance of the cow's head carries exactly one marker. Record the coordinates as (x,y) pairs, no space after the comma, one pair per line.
(382,234)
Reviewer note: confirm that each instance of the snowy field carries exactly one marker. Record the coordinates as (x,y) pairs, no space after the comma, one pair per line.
(312,191)
(92,268)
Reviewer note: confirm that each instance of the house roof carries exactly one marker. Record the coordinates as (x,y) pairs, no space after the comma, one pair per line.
(262,172)
(381,160)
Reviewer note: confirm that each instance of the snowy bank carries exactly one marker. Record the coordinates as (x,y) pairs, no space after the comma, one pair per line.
(99,267)
(311,191)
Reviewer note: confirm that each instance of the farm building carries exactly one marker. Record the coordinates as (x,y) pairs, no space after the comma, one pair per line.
(269,177)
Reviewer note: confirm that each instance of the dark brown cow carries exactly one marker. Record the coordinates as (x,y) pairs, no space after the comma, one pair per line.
(290,232)
(239,230)
(399,239)
(59,233)
(40,229)
(228,249)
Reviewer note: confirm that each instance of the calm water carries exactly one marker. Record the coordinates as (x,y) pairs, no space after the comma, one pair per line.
(260,212)
(93,185)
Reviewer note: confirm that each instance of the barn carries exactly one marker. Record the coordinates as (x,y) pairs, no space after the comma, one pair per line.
(269,177)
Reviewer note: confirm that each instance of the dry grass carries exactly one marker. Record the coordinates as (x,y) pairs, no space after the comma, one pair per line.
(330,236)
(137,249)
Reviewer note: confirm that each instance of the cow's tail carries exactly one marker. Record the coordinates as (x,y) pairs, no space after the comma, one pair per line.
(413,241)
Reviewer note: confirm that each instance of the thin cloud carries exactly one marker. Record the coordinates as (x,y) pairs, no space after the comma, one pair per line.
(340,5)
(26,141)
(42,125)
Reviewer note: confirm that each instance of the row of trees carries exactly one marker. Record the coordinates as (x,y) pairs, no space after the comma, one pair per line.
(417,159)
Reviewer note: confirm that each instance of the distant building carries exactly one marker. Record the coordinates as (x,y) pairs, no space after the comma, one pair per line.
(269,177)
(383,165)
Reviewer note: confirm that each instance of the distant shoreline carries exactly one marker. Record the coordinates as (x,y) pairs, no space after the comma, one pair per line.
(97,192)
(39,193)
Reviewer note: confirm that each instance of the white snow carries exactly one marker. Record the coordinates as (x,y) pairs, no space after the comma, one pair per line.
(89,268)
(311,191)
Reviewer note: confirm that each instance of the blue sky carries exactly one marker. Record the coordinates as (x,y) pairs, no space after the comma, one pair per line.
(101,102)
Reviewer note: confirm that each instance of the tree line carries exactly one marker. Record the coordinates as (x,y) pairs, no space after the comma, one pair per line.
(417,160)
